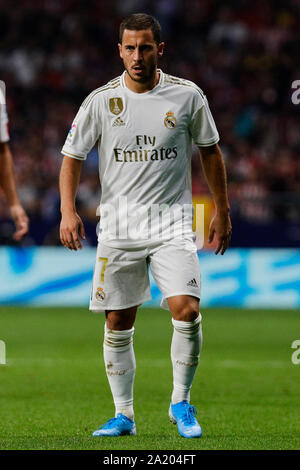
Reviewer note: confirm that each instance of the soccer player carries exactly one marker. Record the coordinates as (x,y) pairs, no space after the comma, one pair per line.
(7,179)
(144,122)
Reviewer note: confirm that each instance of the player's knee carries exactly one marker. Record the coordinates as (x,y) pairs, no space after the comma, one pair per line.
(187,310)
(120,320)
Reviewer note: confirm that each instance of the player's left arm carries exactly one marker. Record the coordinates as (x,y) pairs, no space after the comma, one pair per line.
(215,173)
(8,184)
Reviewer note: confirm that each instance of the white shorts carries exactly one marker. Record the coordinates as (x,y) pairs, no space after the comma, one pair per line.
(121,278)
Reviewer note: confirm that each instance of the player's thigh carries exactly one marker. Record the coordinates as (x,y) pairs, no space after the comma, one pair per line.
(120,279)
(176,270)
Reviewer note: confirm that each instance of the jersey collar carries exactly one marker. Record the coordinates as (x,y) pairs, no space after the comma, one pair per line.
(160,83)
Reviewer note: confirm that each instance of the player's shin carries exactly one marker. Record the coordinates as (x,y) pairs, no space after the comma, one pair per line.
(120,368)
(185,353)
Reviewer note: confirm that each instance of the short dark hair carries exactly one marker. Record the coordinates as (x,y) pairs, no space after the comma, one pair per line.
(140,21)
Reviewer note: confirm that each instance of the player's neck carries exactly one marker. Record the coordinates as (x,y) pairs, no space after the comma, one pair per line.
(138,87)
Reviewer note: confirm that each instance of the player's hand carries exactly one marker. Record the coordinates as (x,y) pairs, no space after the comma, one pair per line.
(21,221)
(221,226)
(71,229)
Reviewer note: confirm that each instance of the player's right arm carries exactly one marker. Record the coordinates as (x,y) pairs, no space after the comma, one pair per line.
(71,226)
(84,132)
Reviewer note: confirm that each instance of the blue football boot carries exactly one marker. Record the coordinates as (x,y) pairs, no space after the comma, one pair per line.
(183,414)
(119,426)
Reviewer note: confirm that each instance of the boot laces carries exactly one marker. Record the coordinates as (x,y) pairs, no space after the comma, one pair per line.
(189,416)
(109,424)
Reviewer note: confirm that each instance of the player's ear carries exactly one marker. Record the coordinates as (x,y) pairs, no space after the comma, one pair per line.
(120,50)
(160,49)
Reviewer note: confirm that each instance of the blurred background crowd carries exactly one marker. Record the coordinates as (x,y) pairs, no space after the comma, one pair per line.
(244,55)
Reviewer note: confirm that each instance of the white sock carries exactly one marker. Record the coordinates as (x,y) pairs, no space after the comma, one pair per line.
(185,353)
(120,368)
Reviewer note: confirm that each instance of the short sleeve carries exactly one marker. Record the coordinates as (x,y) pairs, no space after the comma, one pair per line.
(4,132)
(84,132)
(202,124)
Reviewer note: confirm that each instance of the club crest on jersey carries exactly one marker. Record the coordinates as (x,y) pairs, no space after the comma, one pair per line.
(170,120)
(116,105)
(100,294)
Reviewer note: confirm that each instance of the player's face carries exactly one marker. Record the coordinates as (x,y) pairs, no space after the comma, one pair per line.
(140,54)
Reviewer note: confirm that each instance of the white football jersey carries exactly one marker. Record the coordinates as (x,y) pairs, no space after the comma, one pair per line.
(145,148)
(4,134)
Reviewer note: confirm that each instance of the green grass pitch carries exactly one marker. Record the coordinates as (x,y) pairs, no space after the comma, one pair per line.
(54,391)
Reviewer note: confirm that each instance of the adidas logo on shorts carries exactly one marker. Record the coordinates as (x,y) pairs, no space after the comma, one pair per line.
(192,283)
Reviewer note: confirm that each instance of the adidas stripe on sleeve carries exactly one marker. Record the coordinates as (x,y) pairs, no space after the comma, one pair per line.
(202,124)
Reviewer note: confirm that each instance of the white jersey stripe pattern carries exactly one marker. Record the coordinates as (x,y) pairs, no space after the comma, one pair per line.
(110,85)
